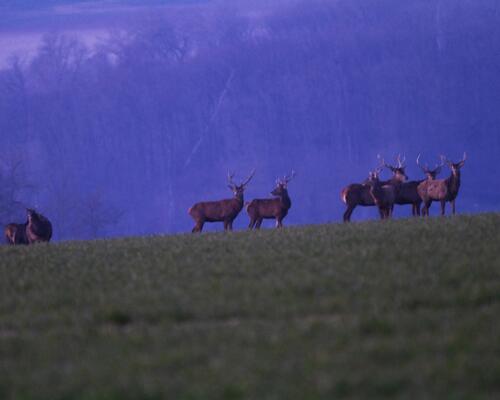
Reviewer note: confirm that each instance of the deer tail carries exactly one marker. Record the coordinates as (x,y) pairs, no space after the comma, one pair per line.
(343,195)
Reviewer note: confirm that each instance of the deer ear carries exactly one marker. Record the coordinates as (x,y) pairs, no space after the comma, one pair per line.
(461,164)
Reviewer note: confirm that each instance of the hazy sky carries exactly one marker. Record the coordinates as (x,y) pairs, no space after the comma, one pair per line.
(24,22)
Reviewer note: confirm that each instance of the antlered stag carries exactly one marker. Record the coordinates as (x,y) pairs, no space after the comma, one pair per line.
(356,194)
(276,208)
(222,210)
(382,193)
(442,190)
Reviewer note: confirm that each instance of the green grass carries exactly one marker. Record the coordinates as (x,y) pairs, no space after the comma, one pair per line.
(401,309)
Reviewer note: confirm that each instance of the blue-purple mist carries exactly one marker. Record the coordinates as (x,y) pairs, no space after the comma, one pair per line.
(114,120)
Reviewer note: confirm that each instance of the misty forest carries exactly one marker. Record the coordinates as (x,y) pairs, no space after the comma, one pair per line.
(121,136)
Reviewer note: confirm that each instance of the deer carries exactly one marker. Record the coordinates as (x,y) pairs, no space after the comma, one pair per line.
(430,174)
(356,194)
(225,210)
(443,190)
(16,234)
(407,191)
(383,194)
(38,228)
(275,208)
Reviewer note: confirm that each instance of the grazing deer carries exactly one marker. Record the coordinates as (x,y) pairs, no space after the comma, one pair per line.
(443,190)
(382,193)
(16,234)
(38,228)
(276,208)
(223,210)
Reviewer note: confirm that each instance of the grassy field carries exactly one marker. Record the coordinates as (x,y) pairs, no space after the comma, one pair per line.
(407,308)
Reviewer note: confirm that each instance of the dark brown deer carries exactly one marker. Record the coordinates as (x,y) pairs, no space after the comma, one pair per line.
(356,194)
(222,210)
(276,208)
(443,190)
(406,191)
(382,193)
(38,228)
(16,234)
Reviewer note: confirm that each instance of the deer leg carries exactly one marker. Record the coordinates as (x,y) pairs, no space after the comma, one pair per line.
(226,225)
(443,206)
(198,227)
(252,224)
(453,207)
(259,223)
(417,209)
(348,213)
(230,225)
(278,223)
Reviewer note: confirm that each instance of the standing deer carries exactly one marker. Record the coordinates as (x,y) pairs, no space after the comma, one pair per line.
(442,190)
(430,175)
(222,210)
(357,194)
(382,193)
(39,228)
(16,234)
(276,208)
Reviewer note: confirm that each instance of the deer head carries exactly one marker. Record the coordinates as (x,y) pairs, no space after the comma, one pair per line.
(238,190)
(431,174)
(282,184)
(455,167)
(398,172)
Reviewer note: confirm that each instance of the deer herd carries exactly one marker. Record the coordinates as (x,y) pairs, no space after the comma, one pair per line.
(398,190)
(372,192)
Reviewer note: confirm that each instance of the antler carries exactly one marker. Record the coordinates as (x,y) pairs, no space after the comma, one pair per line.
(230,178)
(401,162)
(464,157)
(249,178)
(426,168)
(290,177)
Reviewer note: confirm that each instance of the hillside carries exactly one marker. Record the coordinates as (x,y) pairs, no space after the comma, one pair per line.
(405,308)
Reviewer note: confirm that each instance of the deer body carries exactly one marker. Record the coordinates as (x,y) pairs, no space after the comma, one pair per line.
(216,211)
(383,195)
(275,208)
(356,194)
(442,190)
(39,228)
(16,234)
(220,211)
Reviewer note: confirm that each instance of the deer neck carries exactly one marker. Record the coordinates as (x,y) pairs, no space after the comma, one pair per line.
(453,182)
(285,200)
(239,198)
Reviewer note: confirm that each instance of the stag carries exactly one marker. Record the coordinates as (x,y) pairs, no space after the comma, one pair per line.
(406,191)
(276,208)
(38,228)
(430,175)
(383,194)
(222,210)
(16,234)
(443,190)
(356,194)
